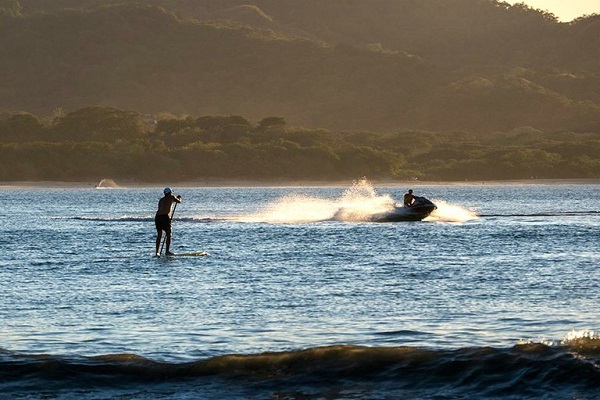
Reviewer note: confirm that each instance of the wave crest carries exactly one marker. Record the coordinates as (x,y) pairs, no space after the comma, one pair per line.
(532,370)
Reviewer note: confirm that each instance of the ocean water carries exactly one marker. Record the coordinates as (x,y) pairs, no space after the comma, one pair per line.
(495,295)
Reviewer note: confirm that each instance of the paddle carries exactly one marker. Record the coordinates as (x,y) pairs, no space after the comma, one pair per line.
(165,238)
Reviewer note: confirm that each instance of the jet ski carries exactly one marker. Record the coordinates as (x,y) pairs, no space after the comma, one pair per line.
(418,210)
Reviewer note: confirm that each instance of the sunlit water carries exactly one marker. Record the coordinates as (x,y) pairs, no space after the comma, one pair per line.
(296,268)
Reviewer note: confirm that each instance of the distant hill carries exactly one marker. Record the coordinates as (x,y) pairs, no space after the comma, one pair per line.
(477,65)
(450,31)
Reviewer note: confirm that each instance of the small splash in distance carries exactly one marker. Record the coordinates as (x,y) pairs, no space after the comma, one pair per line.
(107,184)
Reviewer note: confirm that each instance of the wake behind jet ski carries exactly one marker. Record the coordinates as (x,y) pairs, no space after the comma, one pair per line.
(415,208)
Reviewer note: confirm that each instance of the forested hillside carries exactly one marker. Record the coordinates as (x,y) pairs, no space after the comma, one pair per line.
(452,69)
(96,142)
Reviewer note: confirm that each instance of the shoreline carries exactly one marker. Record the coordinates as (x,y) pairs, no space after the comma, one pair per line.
(217,183)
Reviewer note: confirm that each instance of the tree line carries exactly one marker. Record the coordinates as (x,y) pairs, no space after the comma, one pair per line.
(97,142)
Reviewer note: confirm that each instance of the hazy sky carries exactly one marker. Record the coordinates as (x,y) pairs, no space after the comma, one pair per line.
(565,10)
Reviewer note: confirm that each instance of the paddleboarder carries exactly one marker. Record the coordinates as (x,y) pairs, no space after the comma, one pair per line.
(163,219)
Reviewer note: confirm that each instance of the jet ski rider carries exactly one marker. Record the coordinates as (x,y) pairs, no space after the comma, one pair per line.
(409,199)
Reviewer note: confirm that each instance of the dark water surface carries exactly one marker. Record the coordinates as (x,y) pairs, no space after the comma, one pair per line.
(496,295)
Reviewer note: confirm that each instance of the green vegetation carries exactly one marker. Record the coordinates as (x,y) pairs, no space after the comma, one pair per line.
(428,89)
(96,142)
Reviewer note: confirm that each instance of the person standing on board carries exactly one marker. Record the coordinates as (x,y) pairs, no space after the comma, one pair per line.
(163,219)
(409,198)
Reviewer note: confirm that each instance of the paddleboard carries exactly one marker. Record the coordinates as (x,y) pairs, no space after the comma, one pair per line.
(191,254)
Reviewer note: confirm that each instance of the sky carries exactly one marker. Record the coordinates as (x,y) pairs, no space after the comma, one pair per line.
(565,10)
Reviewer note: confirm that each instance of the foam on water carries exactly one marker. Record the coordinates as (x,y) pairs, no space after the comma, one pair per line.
(581,334)
(447,212)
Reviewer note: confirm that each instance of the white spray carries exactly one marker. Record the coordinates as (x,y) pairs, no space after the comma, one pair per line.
(107,184)
(447,212)
(358,203)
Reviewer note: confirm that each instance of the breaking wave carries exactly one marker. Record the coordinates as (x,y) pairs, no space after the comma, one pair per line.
(525,370)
